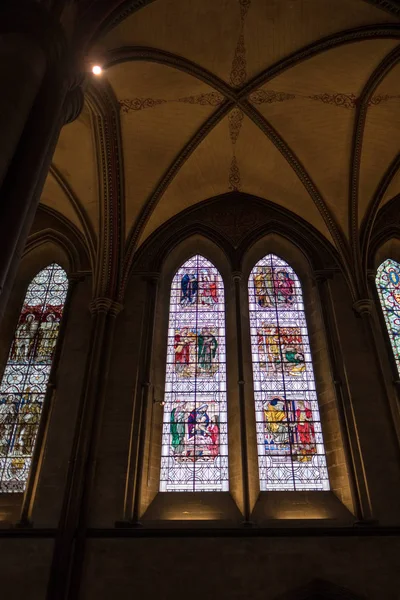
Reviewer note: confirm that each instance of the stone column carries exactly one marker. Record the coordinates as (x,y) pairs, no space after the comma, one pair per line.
(358,486)
(37,74)
(69,547)
(373,434)
(152,288)
(237,277)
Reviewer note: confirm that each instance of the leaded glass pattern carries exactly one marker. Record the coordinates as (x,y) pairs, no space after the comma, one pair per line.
(194,439)
(291,453)
(388,286)
(24,383)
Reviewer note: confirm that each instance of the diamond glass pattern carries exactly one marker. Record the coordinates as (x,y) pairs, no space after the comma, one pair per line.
(388,286)
(195,438)
(25,378)
(291,453)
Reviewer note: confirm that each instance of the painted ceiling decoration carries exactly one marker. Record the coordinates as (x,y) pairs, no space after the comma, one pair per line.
(300,115)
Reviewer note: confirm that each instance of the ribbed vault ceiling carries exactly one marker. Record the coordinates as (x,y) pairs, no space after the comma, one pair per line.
(237,94)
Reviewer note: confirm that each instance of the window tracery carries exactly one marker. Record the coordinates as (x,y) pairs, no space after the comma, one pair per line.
(194,439)
(26,375)
(388,285)
(291,452)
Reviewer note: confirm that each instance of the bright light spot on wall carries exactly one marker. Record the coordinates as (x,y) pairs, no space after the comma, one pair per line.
(97,70)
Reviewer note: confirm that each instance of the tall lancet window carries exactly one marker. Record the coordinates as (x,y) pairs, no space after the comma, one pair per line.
(291,453)
(388,286)
(194,439)
(26,375)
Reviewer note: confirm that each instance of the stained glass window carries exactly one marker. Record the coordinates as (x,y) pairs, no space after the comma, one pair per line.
(291,453)
(388,286)
(194,439)
(24,383)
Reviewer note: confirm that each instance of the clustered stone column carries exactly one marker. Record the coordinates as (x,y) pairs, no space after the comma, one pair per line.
(40,93)
(374,447)
(70,543)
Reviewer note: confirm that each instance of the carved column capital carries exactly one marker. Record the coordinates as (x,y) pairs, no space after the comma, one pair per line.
(322,275)
(371,276)
(364,307)
(73,104)
(151,277)
(237,276)
(105,306)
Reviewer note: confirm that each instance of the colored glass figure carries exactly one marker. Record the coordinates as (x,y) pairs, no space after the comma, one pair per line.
(388,286)
(194,441)
(291,453)
(24,383)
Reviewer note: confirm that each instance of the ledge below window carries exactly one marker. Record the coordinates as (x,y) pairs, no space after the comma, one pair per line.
(300,509)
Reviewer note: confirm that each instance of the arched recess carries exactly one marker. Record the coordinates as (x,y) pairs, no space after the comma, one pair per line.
(234,239)
(200,505)
(337,504)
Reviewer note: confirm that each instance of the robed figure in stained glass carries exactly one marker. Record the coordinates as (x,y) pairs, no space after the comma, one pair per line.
(189,288)
(281,349)
(23,344)
(284,286)
(264,286)
(48,333)
(305,432)
(277,430)
(207,349)
(182,347)
(177,428)
(208,288)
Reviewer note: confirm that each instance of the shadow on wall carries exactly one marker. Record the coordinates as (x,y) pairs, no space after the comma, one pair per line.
(320,590)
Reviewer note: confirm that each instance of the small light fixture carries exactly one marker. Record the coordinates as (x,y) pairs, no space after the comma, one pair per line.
(160,402)
(97,70)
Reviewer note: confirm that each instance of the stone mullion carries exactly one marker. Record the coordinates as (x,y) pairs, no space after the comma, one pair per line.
(144,400)
(65,575)
(237,278)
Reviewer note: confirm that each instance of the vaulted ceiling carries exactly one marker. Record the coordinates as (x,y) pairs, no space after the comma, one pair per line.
(294,101)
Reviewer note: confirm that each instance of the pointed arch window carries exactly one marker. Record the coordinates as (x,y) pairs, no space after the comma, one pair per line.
(291,453)
(194,439)
(388,286)
(26,375)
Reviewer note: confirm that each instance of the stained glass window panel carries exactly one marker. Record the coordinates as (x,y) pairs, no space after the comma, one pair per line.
(388,286)
(291,453)
(194,439)
(24,383)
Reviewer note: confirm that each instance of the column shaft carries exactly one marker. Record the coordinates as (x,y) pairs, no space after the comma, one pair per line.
(69,547)
(22,67)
